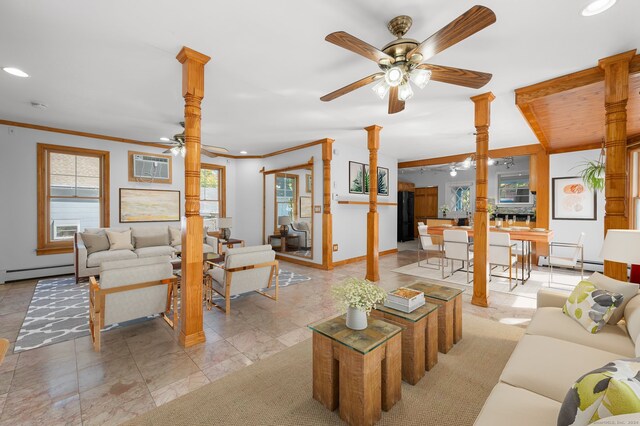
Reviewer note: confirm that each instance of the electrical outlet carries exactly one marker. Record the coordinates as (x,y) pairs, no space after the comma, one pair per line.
(335,247)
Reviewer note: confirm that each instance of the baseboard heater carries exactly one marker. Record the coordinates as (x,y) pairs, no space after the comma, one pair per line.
(589,265)
(10,275)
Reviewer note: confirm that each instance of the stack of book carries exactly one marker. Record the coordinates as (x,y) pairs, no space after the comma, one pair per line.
(405,299)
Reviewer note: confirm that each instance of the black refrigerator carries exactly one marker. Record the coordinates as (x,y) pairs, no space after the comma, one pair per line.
(405,215)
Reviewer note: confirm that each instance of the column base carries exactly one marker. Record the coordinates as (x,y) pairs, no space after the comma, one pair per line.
(192,339)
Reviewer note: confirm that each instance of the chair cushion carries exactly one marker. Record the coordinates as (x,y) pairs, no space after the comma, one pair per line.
(507,403)
(549,366)
(96,259)
(120,240)
(95,242)
(551,322)
(154,240)
(206,248)
(607,391)
(632,318)
(154,251)
(626,289)
(218,279)
(590,306)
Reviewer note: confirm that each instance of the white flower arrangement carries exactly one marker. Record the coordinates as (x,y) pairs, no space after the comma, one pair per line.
(357,293)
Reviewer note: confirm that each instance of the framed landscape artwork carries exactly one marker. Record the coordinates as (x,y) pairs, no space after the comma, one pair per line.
(356,175)
(572,200)
(383,181)
(305,206)
(149,205)
(309,183)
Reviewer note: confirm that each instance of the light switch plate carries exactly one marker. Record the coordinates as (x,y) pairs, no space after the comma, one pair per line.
(335,247)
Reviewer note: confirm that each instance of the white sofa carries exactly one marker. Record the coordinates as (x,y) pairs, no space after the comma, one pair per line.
(87,265)
(552,355)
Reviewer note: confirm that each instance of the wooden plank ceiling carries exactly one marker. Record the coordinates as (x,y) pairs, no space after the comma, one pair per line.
(567,113)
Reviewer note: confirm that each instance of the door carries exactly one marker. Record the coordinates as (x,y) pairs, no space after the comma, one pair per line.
(426,205)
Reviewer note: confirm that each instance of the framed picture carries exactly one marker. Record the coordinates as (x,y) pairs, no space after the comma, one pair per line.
(305,206)
(356,178)
(149,205)
(309,183)
(365,178)
(572,200)
(383,181)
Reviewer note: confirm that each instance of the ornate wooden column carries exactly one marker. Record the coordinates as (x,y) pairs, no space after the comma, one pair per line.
(191,330)
(327,218)
(616,95)
(373,231)
(481,217)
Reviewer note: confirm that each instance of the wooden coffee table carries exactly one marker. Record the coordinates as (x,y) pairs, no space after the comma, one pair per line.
(419,338)
(449,315)
(358,372)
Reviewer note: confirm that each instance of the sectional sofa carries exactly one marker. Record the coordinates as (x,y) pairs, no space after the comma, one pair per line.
(552,355)
(162,244)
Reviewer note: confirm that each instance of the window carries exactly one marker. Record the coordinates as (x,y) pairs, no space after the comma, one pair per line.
(461,198)
(73,194)
(212,191)
(513,189)
(286,194)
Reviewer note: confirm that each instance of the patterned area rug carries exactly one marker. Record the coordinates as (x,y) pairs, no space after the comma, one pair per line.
(59,311)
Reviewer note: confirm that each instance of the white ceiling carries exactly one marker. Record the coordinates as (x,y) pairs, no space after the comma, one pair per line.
(109,67)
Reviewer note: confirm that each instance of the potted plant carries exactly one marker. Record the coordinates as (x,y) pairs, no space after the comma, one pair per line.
(444,209)
(592,172)
(357,297)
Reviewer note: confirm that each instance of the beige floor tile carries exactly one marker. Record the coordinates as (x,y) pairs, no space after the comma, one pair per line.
(108,371)
(227,366)
(249,339)
(41,406)
(181,387)
(295,336)
(3,398)
(210,353)
(115,405)
(167,369)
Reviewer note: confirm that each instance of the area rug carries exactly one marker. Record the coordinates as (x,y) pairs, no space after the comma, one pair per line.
(59,311)
(277,390)
(562,280)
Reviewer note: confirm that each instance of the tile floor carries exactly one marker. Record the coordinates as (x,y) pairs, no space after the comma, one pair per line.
(142,366)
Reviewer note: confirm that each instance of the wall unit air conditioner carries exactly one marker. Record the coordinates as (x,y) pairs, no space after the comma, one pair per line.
(64,229)
(151,167)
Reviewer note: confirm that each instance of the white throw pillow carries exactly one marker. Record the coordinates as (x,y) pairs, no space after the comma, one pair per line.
(175,235)
(627,290)
(120,240)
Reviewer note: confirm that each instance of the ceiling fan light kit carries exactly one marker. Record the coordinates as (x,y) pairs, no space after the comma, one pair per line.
(595,7)
(402,60)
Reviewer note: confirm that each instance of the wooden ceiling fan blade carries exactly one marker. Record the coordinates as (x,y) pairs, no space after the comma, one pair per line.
(167,151)
(214,148)
(395,104)
(208,153)
(351,87)
(467,24)
(457,76)
(354,44)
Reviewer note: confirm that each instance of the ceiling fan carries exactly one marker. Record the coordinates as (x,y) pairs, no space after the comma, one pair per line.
(178,146)
(402,60)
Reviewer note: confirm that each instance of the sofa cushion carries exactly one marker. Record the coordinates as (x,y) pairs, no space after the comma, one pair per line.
(154,240)
(175,236)
(549,366)
(604,392)
(140,231)
(590,306)
(120,240)
(96,259)
(206,248)
(95,242)
(632,318)
(551,322)
(508,405)
(626,289)
(154,251)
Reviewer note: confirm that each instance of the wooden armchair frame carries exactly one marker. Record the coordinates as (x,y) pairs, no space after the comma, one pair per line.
(97,303)
(228,278)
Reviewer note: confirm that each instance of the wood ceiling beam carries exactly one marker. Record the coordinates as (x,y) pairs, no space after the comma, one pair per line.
(493,153)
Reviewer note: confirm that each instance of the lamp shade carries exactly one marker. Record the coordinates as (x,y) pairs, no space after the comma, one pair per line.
(225,222)
(284,220)
(622,245)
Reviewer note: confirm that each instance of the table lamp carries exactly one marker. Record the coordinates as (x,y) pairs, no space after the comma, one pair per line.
(284,222)
(225,223)
(623,246)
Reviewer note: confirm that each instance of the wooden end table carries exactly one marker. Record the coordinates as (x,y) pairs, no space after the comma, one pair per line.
(285,240)
(449,315)
(419,338)
(358,372)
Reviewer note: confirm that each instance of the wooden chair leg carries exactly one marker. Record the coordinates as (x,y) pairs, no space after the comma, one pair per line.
(227,295)
(277,283)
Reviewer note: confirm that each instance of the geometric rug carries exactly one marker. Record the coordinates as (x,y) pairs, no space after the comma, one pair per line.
(59,311)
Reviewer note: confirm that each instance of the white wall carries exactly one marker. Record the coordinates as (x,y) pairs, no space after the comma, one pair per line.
(568,231)
(350,221)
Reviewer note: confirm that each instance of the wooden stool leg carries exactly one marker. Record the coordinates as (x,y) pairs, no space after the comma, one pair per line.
(431,340)
(445,327)
(392,372)
(325,372)
(360,385)
(457,319)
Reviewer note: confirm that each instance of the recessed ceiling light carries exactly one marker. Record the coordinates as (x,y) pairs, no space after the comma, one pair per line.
(165,139)
(15,71)
(243,152)
(597,6)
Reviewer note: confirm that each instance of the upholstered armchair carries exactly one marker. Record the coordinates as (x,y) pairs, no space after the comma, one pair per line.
(245,269)
(130,289)
(302,230)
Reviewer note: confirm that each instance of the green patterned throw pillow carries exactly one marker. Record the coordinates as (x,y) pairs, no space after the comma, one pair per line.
(590,306)
(608,391)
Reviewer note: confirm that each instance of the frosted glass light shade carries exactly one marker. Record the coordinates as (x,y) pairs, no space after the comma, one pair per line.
(622,245)
(420,77)
(394,76)
(405,92)
(381,88)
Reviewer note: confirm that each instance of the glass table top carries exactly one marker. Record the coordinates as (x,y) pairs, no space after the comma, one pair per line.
(413,316)
(436,291)
(363,341)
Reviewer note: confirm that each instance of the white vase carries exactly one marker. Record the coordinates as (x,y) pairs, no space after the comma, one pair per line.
(356,319)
